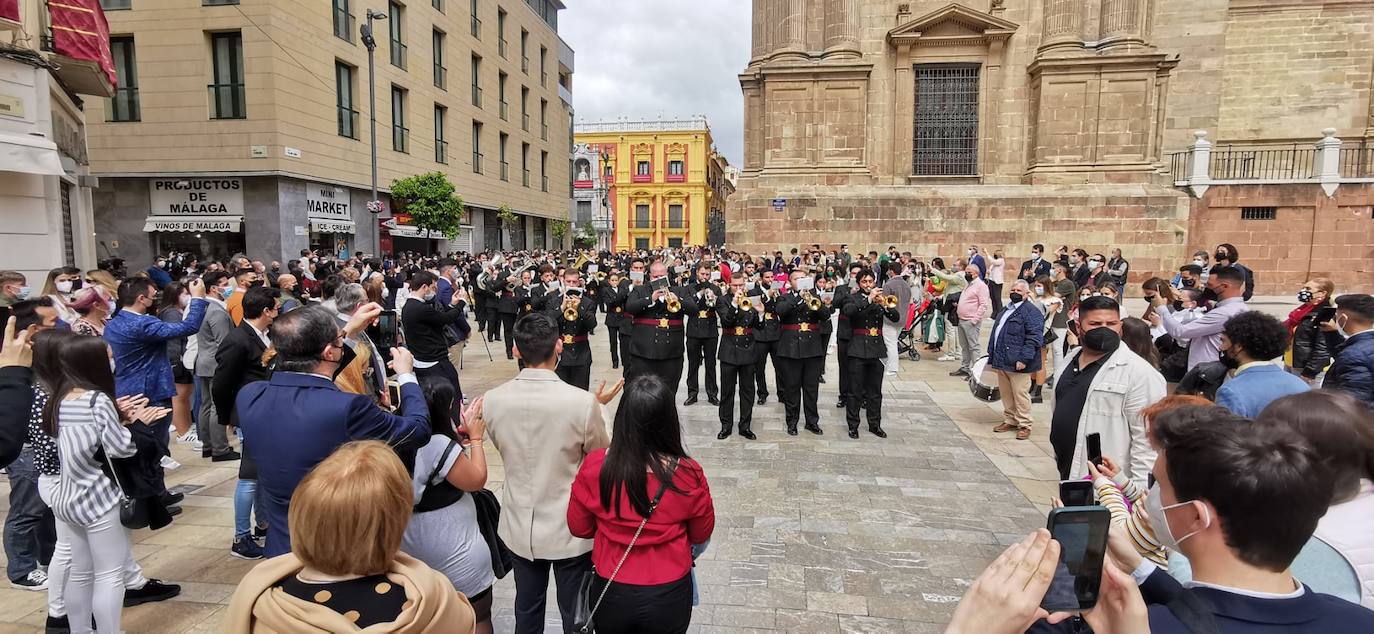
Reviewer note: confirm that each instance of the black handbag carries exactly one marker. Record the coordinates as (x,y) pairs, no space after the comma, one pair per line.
(488,520)
(133,512)
(583,608)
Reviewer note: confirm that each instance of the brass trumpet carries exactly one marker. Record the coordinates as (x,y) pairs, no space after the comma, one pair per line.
(674,304)
(813,302)
(890,301)
(570,312)
(745,304)
(600,276)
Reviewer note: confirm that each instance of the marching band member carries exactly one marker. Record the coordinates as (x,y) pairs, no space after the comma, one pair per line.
(844,332)
(738,351)
(574,316)
(802,350)
(867,310)
(657,339)
(701,335)
(767,335)
(613,294)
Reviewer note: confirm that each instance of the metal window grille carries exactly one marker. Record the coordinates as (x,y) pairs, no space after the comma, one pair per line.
(1258,213)
(946,122)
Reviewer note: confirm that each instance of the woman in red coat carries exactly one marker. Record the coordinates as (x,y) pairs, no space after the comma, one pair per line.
(644,474)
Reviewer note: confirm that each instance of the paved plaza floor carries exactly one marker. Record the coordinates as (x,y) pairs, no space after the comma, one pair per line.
(813,533)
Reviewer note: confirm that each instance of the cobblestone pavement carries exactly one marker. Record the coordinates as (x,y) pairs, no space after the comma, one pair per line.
(813,534)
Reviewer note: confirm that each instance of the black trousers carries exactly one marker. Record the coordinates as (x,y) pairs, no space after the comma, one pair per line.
(532,585)
(730,374)
(801,382)
(508,326)
(995,292)
(625,361)
(766,349)
(867,376)
(670,370)
(697,350)
(479,312)
(493,323)
(615,345)
(443,369)
(665,608)
(156,441)
(575,375)
(842,355)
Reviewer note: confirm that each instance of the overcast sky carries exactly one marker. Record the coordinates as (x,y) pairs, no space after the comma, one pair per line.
(661,58)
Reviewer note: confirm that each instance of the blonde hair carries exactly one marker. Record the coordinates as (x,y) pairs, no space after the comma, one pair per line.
(105,279)
(1324,284)
(348,515)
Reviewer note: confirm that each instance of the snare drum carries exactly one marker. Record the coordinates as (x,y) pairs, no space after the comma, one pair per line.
(983,382)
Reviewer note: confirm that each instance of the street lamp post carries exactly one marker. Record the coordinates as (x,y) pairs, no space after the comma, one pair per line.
(373,205)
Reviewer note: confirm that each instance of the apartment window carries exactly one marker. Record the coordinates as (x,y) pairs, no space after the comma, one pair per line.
(642,168)
(524,51)
(438,5)
(348,116)
(343,21)
(543,70)
(543,119)
(946,122)
(641,216)
(1259,213)
(400,134)
(525,162)
(476,22)
(501,31)
(505,166)
(675,243)
(124,104)
(675,168)
(227,93)
(440,70)
(477,147)
(525,108)
(501,93)
(396,24)
(115,5)
(544,171)
(641,244)
(675,217)
(440,145)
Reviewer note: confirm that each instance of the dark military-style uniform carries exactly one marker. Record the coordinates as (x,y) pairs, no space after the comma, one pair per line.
(575,364)
(866,353)
(802,350)
(656,342)
(843,333)
(540,297)
(701,341)
(738,356)
(766,336)
(507,309)
(618,324)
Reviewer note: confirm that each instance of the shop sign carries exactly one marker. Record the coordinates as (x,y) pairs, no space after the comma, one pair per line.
(198,196)
(196,225)
(327,201)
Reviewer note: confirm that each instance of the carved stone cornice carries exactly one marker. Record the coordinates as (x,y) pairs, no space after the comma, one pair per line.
(980,28)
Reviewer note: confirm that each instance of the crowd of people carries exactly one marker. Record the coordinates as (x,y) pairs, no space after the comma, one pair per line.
(336,386)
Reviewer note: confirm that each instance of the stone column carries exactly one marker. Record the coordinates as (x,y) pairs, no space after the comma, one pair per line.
(789,34)
(1063,25)
(842,29)
(761,45)
(1120,23)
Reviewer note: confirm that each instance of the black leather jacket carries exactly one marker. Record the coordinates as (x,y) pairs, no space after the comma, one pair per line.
(1312,346)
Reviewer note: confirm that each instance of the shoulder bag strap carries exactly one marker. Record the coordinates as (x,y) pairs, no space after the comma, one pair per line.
(652,505)
(429,481)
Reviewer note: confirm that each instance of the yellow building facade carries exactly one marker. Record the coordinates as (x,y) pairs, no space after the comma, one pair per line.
(657,176)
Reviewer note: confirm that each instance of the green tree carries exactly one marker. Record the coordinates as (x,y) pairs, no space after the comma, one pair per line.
(506,214)
(431,202)
(559,229)
(586,238)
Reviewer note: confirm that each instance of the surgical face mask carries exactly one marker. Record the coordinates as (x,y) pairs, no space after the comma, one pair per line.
(1159,521)
(1304,296)
(1039,291)
(226,292)
(1035,256)
(1199,261)
(23,292)
(65,286)
(1093,264)
(1340,326)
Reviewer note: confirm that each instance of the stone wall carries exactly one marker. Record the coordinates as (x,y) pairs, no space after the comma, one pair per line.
(1148,222)
(1311,236)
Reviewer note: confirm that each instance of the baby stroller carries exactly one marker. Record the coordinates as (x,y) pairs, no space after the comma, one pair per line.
(909,338)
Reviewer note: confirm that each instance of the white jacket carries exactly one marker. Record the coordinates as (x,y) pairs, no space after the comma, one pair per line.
(1125,385)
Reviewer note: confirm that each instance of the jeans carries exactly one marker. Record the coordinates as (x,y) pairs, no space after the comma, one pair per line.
(247,498)
(30,533)
(532,585)
(969,332)
(62,561)
(95,584)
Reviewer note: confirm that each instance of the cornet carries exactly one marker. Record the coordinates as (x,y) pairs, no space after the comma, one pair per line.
(813,302)
(890,301)
(745,304)
(674,304)
(569,312)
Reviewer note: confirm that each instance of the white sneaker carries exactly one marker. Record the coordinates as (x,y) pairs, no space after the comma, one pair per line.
(35,581)
(169,464)
(948,357)
(189,437)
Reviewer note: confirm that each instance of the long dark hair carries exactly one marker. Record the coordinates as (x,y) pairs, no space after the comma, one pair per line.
(444,407)
(647,433)
(171,293)
(84,363)
(1135,333)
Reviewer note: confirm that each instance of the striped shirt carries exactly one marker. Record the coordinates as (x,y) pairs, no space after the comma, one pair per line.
(1113,495)
(85,424)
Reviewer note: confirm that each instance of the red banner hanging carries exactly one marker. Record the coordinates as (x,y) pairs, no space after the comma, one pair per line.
(79,31)
(9,10)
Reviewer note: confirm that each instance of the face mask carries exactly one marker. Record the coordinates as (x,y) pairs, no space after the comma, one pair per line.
(1093,264)
(111,306)
(255,284)
(1178,305)
(1229,361)
(65,286)
(1102,339)
(184,301)
(1189,283)
(228,290)
(1219,256)
(112,365)
(429,297)
(1039,290)
(968,277)
(1304,296)
(1035,256)
(1340,326)
(1154,509)
(22,293)
(1209,295)
(1015,297)
(1200,262)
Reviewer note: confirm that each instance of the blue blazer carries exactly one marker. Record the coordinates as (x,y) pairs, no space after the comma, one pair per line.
(293,422)
(1311,612)
(1020,339)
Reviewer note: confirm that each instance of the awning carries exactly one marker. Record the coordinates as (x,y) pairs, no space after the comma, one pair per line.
(320,225)
(196,224)
(407,231)
(29,155)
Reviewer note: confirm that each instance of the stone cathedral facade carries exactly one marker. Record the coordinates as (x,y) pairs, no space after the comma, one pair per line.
(933,125)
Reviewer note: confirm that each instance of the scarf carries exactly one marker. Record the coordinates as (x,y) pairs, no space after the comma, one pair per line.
(1296,317)
(434,606)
